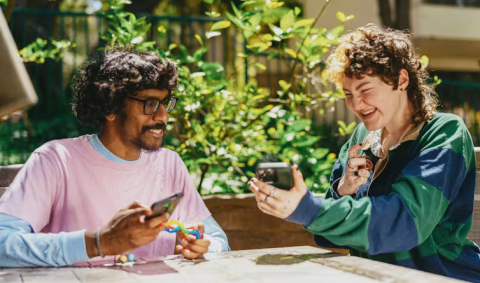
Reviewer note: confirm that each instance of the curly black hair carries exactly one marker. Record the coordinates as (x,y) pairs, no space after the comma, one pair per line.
(384,52)
(102,85)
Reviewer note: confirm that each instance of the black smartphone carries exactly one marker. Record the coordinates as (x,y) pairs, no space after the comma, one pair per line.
(165,205)
(277,174)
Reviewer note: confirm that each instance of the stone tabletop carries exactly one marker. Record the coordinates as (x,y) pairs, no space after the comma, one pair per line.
(293,264)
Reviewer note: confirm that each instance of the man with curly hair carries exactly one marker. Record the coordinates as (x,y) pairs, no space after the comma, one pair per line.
(58,210)
(414,209)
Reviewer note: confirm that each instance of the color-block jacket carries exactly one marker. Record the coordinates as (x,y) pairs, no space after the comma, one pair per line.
(416,209)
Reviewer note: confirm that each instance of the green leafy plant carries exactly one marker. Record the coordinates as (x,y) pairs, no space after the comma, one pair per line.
(39,50)
(124,27)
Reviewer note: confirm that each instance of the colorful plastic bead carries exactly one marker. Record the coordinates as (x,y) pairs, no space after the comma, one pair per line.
(185,231)
(123,258)
(131,257)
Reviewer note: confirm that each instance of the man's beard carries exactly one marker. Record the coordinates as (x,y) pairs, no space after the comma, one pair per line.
(142,141)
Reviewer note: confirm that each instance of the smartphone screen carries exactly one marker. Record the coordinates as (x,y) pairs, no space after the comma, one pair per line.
(165,205)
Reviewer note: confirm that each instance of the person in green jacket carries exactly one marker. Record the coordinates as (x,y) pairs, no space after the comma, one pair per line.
(414,209)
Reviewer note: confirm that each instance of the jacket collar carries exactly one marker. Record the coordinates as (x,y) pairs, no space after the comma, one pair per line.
(373,141)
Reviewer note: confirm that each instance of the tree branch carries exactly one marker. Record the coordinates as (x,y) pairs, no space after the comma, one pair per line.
(204,172)
(9,9)
(385,12)
(402,9)
(303,42)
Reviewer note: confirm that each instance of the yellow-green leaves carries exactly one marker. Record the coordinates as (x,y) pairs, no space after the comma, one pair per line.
(220,25)
(341,17)
(346,130)
(41,49)
(287,21)
(425,61)
(303,23)
(199,39)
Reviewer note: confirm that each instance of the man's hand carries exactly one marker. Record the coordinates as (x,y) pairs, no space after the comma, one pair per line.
(192,247)
(126,231)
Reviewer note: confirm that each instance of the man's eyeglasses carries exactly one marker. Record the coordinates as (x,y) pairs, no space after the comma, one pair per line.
(150,105)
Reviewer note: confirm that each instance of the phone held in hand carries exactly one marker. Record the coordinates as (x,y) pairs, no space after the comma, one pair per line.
(277,174)
(165,205)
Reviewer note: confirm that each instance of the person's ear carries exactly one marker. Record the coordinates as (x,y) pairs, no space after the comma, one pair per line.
(403,80)
(110,117)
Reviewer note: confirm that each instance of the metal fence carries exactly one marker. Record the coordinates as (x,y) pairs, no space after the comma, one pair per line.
(52,117)
(462,99)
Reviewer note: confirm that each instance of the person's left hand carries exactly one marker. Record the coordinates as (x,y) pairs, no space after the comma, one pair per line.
(192,247)
(277,202)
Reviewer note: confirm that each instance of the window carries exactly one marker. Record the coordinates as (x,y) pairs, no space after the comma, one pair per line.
(459,3)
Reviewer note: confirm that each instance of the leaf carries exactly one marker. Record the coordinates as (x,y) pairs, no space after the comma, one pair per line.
(341,17)
(304,141)
(320,153)
(342,124)
(255,21)
(291,52)
(251,161)
(212,14)
(260,66)
(235,20)
(211,34)
(199,53)
(287,21)
(284,85)
(235,10)
(336,31)
(276,30)
(425,61)
(145,45)
(260,45)
(199,39)
(208,1)
(197,74)
(297,11)
(300,125)
(220,25)
(351,127)
(303,23)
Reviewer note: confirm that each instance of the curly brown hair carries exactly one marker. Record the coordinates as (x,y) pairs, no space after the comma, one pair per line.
(384,52)
(102,85)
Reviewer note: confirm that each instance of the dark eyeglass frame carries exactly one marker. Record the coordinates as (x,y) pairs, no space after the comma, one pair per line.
(163,101)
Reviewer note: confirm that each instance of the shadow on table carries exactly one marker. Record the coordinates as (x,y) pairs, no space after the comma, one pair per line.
(289,259)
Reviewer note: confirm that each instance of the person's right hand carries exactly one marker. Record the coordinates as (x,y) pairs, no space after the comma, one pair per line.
(353,177)
(128,230)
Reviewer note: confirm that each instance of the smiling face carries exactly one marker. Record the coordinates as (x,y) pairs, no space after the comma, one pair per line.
(143,131)
(376,103)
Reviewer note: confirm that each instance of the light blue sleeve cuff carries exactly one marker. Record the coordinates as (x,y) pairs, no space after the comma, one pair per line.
(218,238)
(74,247)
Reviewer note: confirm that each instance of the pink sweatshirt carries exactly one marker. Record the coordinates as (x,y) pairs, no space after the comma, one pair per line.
(66,185)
